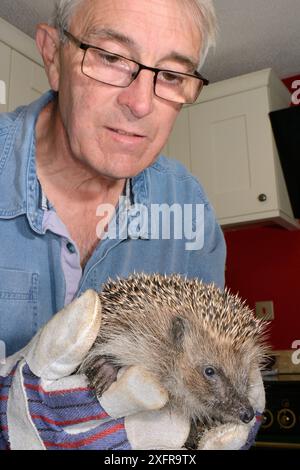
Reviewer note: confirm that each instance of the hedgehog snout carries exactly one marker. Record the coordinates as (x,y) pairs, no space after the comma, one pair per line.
(247,414)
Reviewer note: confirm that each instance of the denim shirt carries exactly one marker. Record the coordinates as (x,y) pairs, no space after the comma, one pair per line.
(40,268)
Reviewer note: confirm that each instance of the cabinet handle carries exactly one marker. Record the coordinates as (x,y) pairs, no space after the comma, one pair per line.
(262,197)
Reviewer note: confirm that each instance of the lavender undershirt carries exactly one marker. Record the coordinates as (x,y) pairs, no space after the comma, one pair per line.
(70,262)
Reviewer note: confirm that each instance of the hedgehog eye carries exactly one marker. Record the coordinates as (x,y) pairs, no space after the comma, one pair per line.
(209,372)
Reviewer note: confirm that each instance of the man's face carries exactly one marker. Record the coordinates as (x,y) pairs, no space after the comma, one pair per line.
(118,132)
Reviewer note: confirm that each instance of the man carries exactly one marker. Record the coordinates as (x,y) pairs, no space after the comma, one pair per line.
(72,152)
(120,72)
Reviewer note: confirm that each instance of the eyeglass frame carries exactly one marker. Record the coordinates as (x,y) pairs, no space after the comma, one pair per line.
(85,47)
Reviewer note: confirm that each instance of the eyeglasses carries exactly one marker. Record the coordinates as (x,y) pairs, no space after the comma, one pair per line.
(116,70)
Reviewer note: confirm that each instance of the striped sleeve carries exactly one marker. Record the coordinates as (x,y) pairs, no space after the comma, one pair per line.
(72,418)
(5,383)
(69,419)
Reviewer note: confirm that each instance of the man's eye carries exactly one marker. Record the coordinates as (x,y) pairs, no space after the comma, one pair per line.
(113,62)
(172,78)
(109,58)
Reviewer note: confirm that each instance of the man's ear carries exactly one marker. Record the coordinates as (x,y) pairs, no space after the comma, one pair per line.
(48,43)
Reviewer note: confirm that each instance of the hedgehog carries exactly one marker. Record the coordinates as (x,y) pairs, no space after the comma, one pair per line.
(200,342)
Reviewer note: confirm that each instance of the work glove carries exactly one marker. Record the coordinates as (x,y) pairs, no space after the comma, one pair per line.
(45,405)
(232,436)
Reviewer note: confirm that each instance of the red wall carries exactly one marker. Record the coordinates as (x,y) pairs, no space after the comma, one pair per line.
(263,263)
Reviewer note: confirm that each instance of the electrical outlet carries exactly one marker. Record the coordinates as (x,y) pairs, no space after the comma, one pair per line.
(265,310)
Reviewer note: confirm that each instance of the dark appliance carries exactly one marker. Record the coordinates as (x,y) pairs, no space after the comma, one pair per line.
(281,424)
(286,130)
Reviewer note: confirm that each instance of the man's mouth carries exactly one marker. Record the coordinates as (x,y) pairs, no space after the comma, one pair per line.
(126,133)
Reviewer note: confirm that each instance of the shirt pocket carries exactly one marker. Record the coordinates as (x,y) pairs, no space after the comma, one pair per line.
(18,308)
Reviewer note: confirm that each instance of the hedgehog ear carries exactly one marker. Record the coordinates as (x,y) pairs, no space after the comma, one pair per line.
(178,329)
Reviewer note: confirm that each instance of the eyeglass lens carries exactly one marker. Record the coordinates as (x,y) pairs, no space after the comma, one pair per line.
(117,71)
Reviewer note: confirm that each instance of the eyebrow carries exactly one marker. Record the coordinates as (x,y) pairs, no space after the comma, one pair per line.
(107,33)
(182,59)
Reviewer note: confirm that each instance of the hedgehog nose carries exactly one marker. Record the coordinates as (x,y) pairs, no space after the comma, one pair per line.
(247,415)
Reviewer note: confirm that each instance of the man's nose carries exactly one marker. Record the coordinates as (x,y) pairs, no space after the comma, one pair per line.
(139,95)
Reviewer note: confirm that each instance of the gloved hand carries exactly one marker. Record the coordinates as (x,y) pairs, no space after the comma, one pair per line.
(238,436)
(44,406)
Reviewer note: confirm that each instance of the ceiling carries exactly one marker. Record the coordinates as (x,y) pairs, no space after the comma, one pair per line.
(254,34)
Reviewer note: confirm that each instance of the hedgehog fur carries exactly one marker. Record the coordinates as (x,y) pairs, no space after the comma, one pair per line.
(200,342)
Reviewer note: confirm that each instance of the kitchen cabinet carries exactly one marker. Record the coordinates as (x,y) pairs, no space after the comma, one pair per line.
(21,68)
(226,141)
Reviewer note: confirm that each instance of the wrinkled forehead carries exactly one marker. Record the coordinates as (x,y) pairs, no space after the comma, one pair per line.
(148,24)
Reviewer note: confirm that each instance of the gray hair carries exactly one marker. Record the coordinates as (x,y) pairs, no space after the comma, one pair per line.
(202,10)
(61,18)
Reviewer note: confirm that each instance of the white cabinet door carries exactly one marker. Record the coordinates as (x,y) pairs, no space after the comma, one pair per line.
(5,54)
(28,81)
(234,156)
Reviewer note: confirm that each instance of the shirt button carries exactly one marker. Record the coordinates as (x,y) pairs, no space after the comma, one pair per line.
(71,247)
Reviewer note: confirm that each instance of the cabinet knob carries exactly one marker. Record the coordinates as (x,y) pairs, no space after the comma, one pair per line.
(262,197)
